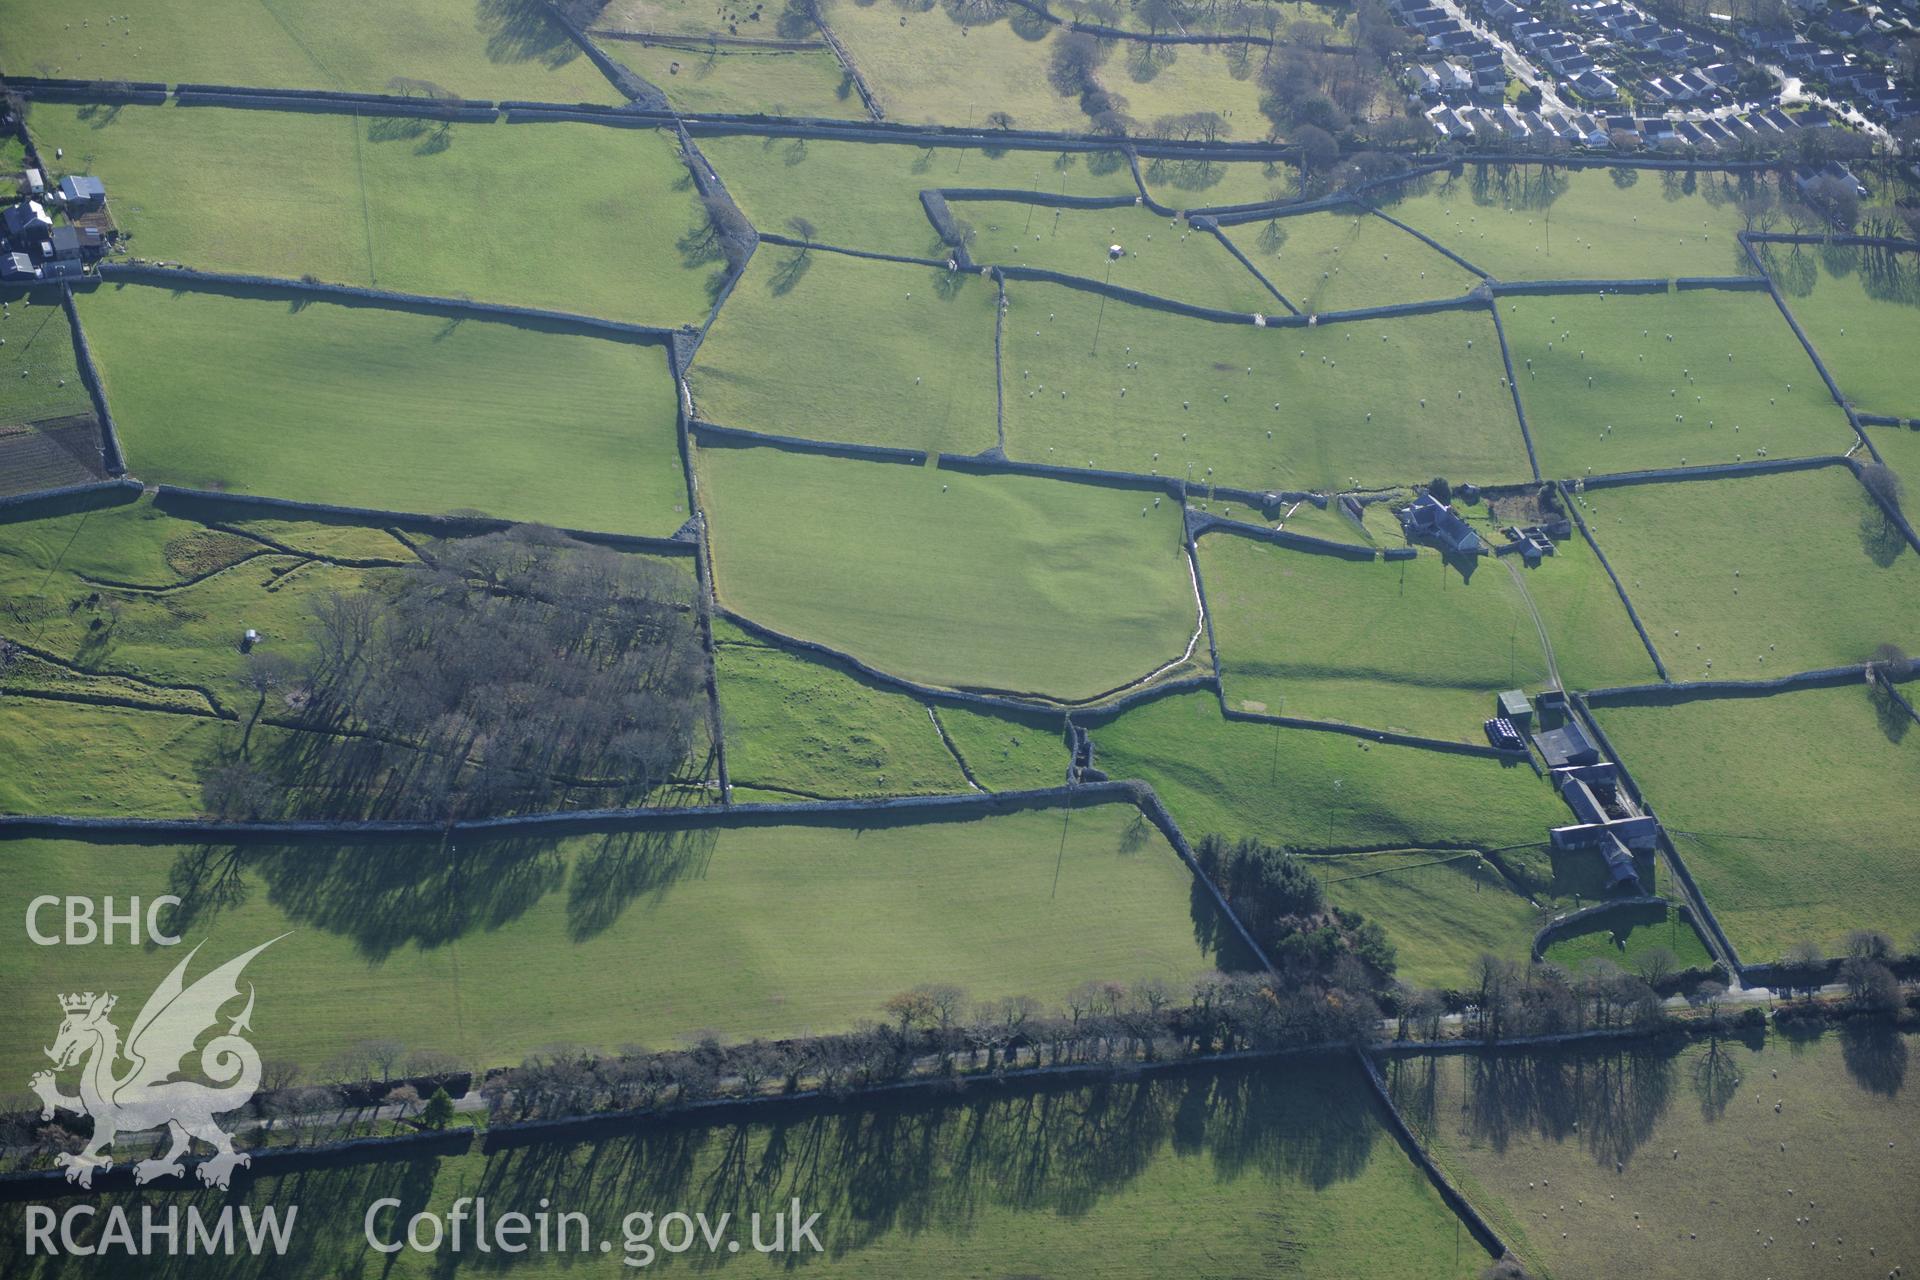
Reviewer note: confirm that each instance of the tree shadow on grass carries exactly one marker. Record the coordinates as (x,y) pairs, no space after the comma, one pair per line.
(788,273)
(1880,537)
(1875,1054)
(1890,712)
(396,128)
(629,865)
(1610,1100)
(875,1167)
(387,895)
(523,31)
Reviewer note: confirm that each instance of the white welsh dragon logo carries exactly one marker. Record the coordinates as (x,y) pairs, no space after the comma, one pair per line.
(144,1096)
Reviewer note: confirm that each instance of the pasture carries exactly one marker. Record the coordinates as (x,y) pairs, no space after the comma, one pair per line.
(862,195)
(1442,909)
(1311,789)
(472,48)
(1339,260)
(1291,1160)
(39,376)
(873,352)
(1794,812)
(1626,934)
(1159,256)
(1055,591)
(1759,576)
(1006,754)
(634,938)
(1412,646)
(800,725)
(801,82)
(1189,183)
(61,757)
(1858,307)
(1626,382)
(1773,1157)
(1522,222)
(307,400)
(1328,408)
(403,203)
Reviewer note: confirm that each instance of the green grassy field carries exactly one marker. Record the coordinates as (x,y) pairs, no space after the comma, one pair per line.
(681,17)
(1520,223)
(1410,643)
(1006,755)
(71,758)
(638,938)
(1594,643)
(1792,811)
(771,82)
(304,402)
(1219,1172)
(1160,257)
(394,203)
(874,352)
(1175,80)
(1858,307)
(1635,381)
(1409,646)
(1628,933)
(861,195)
(475,48)
(1442,909)
(927,66)
(1338,261)
(39,377)
(1818,582)
(1312,789)
(1190,402)
(1711,1179)
(1207,184)
(1007,582)
(798,724)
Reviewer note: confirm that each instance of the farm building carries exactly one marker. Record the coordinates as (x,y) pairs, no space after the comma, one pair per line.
(26,220)
(1567,745)
(1428,518)
(81,192)
(1513,705)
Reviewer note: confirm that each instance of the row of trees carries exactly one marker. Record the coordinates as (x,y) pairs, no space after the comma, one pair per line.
(936,1031)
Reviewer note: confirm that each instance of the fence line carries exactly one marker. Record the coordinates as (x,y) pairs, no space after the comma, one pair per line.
(1513,387)
(111,457)
(1620,588)
(1234,249)
(439,525)
(191,279)
(1478,1227)
(1200,523)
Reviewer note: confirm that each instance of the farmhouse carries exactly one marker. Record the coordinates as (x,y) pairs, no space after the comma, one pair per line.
(26,221)
(1431,520)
